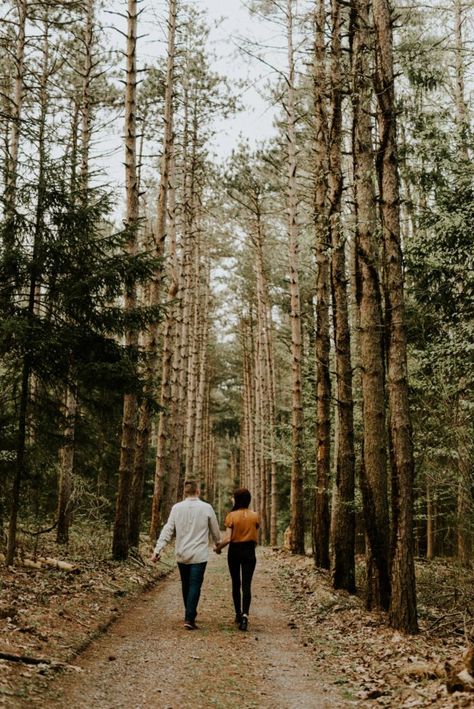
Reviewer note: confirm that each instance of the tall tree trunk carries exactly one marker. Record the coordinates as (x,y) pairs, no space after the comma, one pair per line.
(259,435)
(66,465)
(249,407)
(463,445)
(15,112)
(12,142)
(202,374)
(373,473)
(323,346)
(66,460)
(169,369)
(151,338)
(86,122)
(193,363)
(266,369)
(343,516)
(430,520)
(179,387)
(462,115)
(296,494)
(35,276)
(120,543)
(403,598)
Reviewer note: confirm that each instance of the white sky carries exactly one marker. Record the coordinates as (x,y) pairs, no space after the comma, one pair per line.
(255,122)
(229,20)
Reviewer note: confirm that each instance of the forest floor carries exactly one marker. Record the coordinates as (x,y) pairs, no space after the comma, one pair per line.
(307,645)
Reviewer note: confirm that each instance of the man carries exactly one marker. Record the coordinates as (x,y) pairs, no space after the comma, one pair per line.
(191,521)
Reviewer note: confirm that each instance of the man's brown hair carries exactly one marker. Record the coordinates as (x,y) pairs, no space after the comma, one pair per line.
(191,487)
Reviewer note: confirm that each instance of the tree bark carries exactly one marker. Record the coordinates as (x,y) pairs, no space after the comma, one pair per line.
(343,516)
(15,113)
(464,447)
(151,339)
(120,543)
(203,335)
(35,276)
(297,526)
(66,462)
(403,598)
(373,473)
(323,344)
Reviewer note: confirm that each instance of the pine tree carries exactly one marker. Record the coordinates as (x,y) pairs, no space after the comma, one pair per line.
(343,516)
(403,593)
(373,474)
(120,543)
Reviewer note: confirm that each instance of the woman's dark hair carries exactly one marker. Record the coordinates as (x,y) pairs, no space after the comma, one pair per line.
(242,499)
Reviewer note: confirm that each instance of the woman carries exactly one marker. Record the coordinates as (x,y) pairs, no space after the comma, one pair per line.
(241,536)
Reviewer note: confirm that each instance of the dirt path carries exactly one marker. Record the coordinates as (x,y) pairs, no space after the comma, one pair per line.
(148,659)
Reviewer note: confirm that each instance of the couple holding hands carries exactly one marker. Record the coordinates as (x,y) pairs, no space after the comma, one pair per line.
(191,521)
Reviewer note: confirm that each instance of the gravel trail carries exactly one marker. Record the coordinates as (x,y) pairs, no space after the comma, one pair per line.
(148,660)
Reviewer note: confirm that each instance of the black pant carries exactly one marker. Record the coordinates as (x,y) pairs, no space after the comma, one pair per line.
(241,560)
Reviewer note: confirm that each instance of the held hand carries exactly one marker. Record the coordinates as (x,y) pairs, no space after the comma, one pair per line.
(155,557)
(218,548)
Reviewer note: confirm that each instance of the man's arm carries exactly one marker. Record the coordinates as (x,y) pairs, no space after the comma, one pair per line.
(214,526)
(166,536)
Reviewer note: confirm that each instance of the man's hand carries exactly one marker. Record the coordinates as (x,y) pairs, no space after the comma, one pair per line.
(155,557)
(218,549)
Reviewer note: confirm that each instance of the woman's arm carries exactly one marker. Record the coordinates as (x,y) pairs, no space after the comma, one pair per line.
(224,541)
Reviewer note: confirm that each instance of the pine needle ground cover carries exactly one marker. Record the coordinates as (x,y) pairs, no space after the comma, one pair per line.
(52,614)
(375,665)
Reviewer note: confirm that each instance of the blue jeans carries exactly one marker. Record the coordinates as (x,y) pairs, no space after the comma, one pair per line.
(192,576)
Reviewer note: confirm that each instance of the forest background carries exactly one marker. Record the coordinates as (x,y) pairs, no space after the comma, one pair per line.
(295,317)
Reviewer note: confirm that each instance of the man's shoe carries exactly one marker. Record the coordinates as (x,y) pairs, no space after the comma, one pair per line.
(190,625)
(244,622)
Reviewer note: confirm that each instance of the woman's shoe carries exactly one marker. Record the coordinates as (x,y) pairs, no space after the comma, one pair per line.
(238,618)
(244,622)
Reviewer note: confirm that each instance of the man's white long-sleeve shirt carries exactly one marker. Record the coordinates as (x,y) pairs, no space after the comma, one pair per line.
(191,521)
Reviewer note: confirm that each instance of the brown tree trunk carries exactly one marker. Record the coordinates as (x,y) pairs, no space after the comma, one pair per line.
(184,310)
(373,474)
(250,408)
(297,526)
(86,99)
(464,447)
(462,117)
(463,439)
(193,363)
(270,488)
(203,335)
(168,445)
(120,543)
(323,345)
(260,503)
(343,514)
(403,598)
(66,462)
(15,111)
(430,521)
(151,338)
(35,276)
